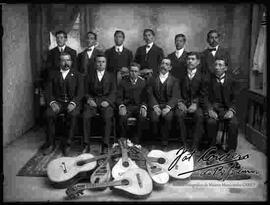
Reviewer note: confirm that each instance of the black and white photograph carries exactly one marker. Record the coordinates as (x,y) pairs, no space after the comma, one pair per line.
(134,102)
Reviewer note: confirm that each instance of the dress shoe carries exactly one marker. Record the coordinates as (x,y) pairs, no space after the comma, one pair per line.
(49,150)
(86,149)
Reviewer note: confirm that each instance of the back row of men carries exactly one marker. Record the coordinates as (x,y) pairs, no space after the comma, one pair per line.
(184,92)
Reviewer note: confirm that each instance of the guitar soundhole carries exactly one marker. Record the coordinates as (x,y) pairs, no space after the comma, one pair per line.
(125,164)
(80,163)
(161,160)
(125,182)
(97,180)
(153,167)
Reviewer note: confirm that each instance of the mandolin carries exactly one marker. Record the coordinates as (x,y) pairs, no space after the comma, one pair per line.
(135,182)
(124,163)
(174,162)
(64,169)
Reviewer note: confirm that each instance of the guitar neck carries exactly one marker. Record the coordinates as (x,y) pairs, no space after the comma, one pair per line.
(123,150)
(101,185)
(98,157)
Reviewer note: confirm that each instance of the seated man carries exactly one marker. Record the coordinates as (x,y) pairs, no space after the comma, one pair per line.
(63,93)
(131,101)
(192,87)
(222,92)
(163,92)
(100,91)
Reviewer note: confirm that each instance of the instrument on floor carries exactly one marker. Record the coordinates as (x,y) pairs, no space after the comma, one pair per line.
(175,162)
(135,182)
(124,163)
(156,172)
(63,169)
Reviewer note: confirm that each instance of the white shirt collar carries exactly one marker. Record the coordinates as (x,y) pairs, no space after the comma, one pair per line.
(163,77)
(150,44)
(178,53)
(135,81)
(92,48)
(221,78)
(119,47)
(191,73)
(64,73)
(100,74)
(63,47)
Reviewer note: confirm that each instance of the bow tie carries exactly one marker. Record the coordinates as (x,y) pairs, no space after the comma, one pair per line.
(219,79)
(89,49)
(211,49)
(148,46)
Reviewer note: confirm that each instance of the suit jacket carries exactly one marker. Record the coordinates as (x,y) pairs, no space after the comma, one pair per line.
(108,85)
(195,90)
(53,61)
(116,61)
(230,91)
(153,91)
(129,94)
(179,65)
(86,65)
(208,60)
(55,86)
(151,60)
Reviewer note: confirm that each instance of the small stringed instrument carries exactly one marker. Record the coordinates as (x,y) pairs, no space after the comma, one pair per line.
(63,169)
(135,182)
(124,163)
(174,162)
(156,172)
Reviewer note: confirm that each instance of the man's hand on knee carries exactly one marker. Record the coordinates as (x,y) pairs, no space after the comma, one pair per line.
(55,107)
(123,110)
(157,110)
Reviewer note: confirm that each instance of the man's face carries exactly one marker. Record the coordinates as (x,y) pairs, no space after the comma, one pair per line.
(134,72)
(192,62)
(165,66)
(65,62)
(213,39)
(60,39)
(90,39)
(119,39)
(101,63)
(220,67)
(148,37)
(179,43)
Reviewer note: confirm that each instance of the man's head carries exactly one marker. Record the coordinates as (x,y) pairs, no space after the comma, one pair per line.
(65,61)
(148,36)
(193,60)
(165,66)
(221,66)
(119,37)
(213,38)
(61,38)
(91,39)
(101,62)
(180,40)
(134,70)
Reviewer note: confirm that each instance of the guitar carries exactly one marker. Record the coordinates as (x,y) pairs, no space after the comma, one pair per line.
(174,162)
(63,169)
(156,172)
(135,182)
(124,163)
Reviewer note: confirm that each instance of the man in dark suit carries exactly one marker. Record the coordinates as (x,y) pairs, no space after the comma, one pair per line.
(191,101)
(179,57)
(86,59)
(52,63)
(163,92)
(215,51)
(131,101)
(221,106)
(150,55)
(63,93)
(118,56)
(100,93)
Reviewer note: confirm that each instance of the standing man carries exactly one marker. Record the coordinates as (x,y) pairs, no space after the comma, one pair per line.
(222,93)
(118,56)
(131,101)
(191,102)
(163,92)
(179,57)
(100,93)
(64,92)
(52,62)
(86,58)
(150,55)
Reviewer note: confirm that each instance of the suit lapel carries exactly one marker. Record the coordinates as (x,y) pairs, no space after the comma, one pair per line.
(169,83)
(157,85)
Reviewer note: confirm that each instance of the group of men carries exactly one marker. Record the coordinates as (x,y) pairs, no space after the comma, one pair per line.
(185,86)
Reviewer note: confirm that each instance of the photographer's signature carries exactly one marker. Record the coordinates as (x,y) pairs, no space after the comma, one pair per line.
(216,169)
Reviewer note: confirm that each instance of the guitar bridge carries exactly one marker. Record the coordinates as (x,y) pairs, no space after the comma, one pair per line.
(139,180)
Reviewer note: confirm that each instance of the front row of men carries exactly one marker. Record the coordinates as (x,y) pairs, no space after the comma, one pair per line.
(195,97)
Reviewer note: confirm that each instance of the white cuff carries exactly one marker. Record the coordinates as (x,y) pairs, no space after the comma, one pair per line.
(155,106)
(122,105)
(52,102)
(231,109)
(71,102)
(143,106)
(167,106)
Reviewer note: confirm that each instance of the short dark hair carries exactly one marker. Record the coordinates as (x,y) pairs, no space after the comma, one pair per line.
(148,30)
(61,32)
(213,31)
(64,54)
(194,53)
(100,55)
(91,32)
(223,59)
(119,31)
(135,65)
(180,35)
(167,59)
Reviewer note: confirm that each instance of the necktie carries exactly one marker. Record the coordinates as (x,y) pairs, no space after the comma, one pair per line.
(61,50)
(211,49)
(118,50)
